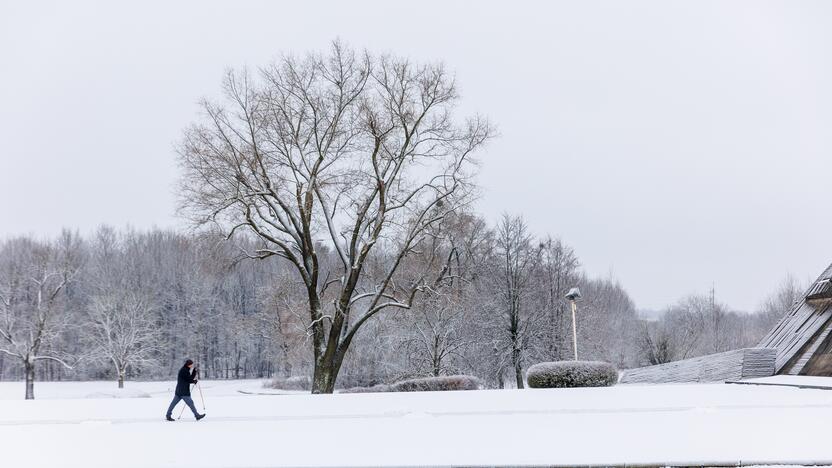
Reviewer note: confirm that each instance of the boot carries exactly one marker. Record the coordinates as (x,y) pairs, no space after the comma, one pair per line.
(169,418)
(199,416)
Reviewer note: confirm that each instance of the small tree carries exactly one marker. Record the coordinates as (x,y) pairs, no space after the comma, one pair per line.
(33,277)
(341,153)
(437,334)
(780,302)
(655,343)
(517,261)
(122,330)
(559,273)
(120,323)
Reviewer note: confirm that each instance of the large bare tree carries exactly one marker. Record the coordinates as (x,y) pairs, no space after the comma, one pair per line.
(344,153)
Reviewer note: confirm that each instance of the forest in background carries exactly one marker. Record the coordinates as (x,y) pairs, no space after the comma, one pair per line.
(135,303)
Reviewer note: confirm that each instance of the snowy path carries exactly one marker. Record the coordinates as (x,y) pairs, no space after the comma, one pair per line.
(682,424)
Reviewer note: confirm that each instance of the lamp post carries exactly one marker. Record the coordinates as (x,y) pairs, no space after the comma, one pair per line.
(573,295)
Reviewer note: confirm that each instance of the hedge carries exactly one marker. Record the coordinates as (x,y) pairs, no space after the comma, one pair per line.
(439,384)
(568,374)
(426,384)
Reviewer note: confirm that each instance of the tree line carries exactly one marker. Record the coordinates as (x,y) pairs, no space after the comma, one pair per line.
(121,304)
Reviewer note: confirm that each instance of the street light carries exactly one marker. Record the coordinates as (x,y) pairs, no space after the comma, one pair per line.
(573,295)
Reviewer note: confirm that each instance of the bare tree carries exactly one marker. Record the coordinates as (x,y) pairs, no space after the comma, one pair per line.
(559,266)
(781,301)
(343,152)
(686,320)
(438,339)
(606,322)
(680,333)
(120,324)
(655,343)
(33,276)
(122,329)
(518,259)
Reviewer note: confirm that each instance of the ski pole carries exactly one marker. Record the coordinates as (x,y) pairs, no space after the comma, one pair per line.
(200,395)
(183,409)
(199,378)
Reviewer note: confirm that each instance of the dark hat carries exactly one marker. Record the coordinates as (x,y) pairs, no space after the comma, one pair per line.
(188,362)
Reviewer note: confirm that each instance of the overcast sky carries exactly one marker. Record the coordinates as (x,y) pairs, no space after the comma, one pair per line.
(672,144)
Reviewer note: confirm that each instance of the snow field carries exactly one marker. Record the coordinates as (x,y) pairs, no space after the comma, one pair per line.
(662,424)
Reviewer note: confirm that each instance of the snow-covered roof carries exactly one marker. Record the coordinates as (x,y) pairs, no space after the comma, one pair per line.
(804,331)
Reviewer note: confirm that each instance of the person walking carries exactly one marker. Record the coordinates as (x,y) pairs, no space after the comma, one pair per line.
(184,379)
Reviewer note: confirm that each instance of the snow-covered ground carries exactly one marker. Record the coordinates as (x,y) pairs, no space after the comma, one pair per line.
(662,424)
(75,390)
(793,380)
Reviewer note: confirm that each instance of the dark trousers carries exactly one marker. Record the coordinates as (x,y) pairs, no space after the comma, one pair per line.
(188,402)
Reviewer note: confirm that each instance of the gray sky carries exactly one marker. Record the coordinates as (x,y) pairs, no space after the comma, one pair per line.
(672,144)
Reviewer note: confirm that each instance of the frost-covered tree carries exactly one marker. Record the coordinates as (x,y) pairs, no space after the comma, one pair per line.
(122,329)
(695,326)
(781,301)
(346,153)
(437,339)
(33,279)
(120,324)
(516,261)
(607,323)
(558,273)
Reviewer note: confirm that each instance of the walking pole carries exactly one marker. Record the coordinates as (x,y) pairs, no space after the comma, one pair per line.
(199,379)
(182,411)
(201,398)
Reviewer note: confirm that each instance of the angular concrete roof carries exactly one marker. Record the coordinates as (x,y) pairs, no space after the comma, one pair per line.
(802,336)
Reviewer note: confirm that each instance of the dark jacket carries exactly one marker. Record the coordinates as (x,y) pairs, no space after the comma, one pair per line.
(184,381)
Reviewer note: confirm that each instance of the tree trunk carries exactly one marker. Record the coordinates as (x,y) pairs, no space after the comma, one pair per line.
(560,341)
(287,366)
(30,379)
(236,361)
(518,368)
(326,372)
(437,360)
(121,380)
(323,380)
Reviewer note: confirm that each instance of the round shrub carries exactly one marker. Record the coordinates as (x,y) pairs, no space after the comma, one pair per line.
(569,374)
